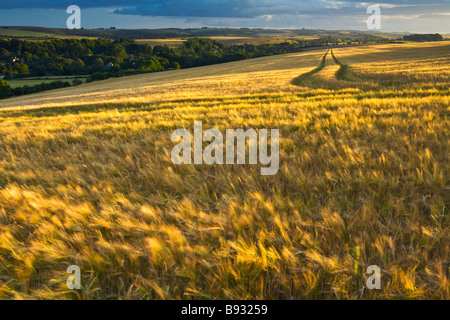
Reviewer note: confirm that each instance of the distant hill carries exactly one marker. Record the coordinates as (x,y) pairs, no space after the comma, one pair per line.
(34,32)
(171,33)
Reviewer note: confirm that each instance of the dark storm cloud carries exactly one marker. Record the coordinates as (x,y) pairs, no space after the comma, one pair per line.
(183,8)
(215,8)
(197,8)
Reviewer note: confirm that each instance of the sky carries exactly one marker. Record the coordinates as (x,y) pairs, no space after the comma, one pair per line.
(427,16)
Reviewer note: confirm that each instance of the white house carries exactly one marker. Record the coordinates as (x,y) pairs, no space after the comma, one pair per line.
(2,76)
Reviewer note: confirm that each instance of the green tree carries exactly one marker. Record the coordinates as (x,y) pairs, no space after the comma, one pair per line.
(5,89)
(4,54)
(77,65)
(175,65)
(118,51)
(99,63)
(21,68)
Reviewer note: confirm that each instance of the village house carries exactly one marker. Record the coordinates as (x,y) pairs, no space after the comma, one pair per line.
(1,76)
(110,65)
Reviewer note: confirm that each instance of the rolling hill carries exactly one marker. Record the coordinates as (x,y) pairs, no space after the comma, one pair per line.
(227,34)
(86,178)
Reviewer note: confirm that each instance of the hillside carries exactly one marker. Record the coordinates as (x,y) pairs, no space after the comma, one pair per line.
(175,33)
(86,178)
(36,33)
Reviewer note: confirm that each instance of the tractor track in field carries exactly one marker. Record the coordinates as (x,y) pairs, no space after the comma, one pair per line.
(299,80)
(329,71)
(344,70)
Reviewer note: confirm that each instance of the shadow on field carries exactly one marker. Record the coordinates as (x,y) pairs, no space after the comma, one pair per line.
(124,107)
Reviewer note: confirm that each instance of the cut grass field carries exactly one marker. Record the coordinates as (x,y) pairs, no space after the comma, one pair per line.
(171,43)
(35,34)
(23,33)
(177,42)
(86,179)
(251,40)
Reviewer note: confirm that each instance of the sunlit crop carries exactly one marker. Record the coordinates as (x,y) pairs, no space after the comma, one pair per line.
(86,179)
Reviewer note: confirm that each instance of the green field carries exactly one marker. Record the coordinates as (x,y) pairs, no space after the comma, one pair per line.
(15,83)
(23,33)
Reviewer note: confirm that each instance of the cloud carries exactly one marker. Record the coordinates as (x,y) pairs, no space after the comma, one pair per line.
(225,8)
(198,8)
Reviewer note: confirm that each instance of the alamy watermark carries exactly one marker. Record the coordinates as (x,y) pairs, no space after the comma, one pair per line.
(74,281)
(235,140)
(374,280)
(374,21)
(74,21)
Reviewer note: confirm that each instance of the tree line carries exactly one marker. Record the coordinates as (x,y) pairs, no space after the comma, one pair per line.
(423,37)
(104,58)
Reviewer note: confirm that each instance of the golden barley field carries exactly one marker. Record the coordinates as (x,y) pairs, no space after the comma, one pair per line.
(86,179)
